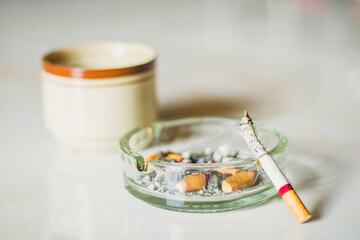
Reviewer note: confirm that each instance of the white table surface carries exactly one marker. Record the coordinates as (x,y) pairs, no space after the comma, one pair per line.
(293,64)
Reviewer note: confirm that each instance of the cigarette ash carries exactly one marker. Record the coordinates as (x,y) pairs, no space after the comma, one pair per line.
(194,182)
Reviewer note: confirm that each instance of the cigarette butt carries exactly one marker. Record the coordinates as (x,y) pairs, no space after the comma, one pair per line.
(192,183)
(152,157)
(296,206)
(231,171)
(174,156)
(238,181)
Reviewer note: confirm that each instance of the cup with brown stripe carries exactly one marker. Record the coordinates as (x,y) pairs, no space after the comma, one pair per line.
(94,93)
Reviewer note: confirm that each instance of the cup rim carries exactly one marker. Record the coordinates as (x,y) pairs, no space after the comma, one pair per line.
(52,61)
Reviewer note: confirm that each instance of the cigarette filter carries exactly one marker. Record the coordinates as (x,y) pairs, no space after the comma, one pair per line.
(192,183)
(240,180)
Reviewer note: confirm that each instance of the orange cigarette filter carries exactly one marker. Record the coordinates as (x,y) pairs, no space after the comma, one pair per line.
(192,183)
(152,157)
(240,180)
(296,206)
(175,156)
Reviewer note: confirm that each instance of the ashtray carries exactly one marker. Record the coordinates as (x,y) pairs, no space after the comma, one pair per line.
(198,164)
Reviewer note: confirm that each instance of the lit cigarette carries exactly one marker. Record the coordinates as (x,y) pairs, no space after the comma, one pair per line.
(273,171)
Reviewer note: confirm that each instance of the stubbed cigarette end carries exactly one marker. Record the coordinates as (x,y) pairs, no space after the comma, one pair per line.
(238,181)
(192,183)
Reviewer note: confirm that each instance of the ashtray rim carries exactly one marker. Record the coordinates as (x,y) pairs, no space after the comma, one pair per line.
(281,145)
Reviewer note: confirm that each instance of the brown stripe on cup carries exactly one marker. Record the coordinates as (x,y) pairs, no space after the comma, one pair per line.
(89,74)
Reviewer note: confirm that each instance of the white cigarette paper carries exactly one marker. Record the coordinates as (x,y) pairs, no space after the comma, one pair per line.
(266,161)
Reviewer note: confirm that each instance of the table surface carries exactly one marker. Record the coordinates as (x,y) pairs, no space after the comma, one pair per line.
(293,64)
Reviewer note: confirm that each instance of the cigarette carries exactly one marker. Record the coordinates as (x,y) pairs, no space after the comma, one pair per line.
(192,183)
(273,171)
(240,180)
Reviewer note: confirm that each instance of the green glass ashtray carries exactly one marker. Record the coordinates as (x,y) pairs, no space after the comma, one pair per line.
(198,164)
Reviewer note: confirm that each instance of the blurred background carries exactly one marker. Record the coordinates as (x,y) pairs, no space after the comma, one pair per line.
(293,63)
(293,55)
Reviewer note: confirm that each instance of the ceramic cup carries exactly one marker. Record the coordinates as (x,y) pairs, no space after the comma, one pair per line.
(94,93)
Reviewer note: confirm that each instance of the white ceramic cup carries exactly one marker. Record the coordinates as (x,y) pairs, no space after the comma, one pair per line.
(94,93)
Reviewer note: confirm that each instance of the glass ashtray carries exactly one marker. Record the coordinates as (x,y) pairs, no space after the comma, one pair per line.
(198,164)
